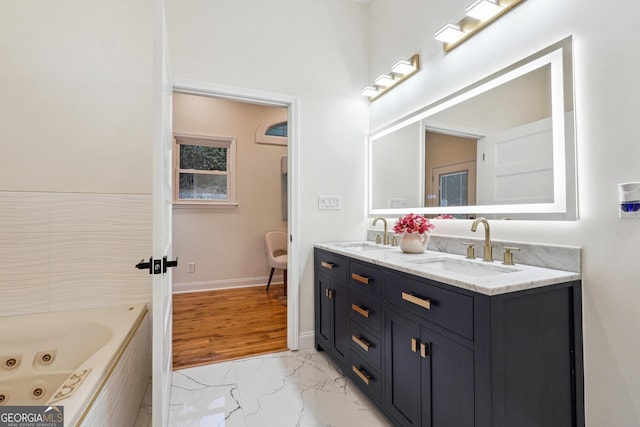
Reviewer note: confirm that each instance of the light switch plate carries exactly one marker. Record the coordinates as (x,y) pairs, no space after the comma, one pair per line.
(329,202)
(396,203)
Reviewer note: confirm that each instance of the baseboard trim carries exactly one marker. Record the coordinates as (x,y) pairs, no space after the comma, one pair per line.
(213,285)
(306,340)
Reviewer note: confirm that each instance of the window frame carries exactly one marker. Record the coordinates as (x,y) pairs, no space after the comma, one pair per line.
(209,141)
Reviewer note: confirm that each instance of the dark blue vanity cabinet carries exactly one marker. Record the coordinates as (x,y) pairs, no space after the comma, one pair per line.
(332,306)
(429,363)
(365,293)
(431,354)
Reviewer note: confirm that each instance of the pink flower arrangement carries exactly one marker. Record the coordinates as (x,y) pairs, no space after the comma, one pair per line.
(445,216)
(413,224)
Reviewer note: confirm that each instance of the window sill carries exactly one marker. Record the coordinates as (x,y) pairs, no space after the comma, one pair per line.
(200,205)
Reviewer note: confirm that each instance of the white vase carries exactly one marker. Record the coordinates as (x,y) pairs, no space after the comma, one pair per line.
(414,243)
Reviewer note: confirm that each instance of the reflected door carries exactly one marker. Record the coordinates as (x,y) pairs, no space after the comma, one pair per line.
(451,170)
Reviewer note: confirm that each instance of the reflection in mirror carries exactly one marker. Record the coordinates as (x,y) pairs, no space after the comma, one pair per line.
(502,147)
(397,161)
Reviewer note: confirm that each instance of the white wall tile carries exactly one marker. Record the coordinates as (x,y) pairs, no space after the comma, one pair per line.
(23,253)
(23,294)
(24,212)
(69,251)
(24,276)
(93,269)
(100,212)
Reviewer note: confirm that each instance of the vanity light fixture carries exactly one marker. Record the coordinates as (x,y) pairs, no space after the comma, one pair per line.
(403,67)
(400,71)
(384,80)
(483,9)
(369,91)
(479,14)
(450,33)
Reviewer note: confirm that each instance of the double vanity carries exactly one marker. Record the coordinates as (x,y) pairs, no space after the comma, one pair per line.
(437,339)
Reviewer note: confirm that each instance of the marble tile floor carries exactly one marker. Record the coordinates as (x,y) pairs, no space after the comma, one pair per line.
(301,389)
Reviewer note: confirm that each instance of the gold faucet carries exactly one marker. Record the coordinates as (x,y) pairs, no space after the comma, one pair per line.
(386,235)
(486,253)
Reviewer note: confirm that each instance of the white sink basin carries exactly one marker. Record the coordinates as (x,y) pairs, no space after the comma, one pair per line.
(459,266)
(362,246)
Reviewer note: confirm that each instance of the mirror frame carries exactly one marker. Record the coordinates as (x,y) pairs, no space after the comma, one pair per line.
(564,205)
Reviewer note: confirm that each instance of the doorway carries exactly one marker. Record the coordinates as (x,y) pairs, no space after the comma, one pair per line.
(450,165)
(247,242)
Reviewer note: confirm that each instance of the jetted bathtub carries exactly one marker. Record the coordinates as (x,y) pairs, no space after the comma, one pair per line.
(95,363)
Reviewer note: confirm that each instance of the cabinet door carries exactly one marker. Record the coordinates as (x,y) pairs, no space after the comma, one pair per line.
(447,381)
(323,312)
(341,326)
(402,369)
(332,317)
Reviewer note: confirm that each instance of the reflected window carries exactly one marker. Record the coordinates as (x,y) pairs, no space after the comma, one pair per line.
(453,189)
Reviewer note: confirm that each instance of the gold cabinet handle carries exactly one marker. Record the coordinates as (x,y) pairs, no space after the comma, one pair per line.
(359,278)
(364,376)
(424,303)
(424,350)
(329,293)
(360,310)
(327,265)
(362,343)
(414,345)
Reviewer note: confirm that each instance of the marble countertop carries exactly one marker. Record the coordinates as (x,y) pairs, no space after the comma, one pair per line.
(472,274)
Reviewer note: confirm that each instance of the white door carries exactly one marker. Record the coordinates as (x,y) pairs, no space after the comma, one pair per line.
(162,243)
(510,161)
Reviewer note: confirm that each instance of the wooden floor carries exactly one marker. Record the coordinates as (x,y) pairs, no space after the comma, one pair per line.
(215,326)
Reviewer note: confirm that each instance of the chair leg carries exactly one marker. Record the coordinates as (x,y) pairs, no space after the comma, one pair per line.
(285,281)
(270,277)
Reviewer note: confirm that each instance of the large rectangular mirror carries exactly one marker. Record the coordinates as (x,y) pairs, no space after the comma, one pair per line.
(502,147)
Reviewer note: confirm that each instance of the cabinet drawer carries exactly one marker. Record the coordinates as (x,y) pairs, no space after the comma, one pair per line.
(332,265)
(366,310)
(367,378)
(449,309)
(366,344)
(365,277)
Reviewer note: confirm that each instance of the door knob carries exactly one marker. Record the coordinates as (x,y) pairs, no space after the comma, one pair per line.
(144,265)
(166,263)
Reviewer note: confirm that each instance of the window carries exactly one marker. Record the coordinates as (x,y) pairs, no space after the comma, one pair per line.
(453,189)
(273,133)
(204,170)
(279,129)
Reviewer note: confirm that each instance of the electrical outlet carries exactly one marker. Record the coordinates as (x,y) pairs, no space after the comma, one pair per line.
(191,267)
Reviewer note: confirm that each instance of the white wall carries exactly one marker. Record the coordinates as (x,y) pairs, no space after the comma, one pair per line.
(607,111)
(77,94)
(75,163)
(396,162)
(314,50)
(227,243)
